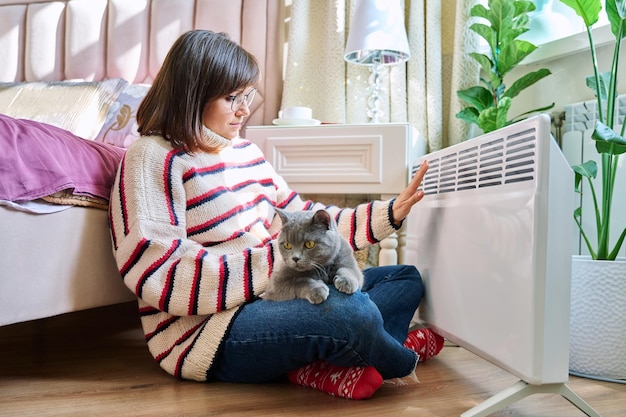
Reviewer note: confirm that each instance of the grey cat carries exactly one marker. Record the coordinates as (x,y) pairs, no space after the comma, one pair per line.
(314,254)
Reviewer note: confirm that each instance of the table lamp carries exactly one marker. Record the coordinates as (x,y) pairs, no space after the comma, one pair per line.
(377,38)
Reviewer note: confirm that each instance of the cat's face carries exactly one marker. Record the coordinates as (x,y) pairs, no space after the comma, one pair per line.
(307,239)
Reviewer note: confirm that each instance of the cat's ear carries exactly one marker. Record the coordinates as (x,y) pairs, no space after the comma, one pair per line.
(282,214)
(323,217)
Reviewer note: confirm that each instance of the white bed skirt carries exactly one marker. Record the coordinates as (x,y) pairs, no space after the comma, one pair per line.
(77,272)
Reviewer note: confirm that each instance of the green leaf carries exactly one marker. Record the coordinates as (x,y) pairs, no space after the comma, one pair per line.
(587,169)
(512,54)
(487,33)
(523,7)
(487,120)
(479,10)
(512,19)
(605,81)
(483,60)
(526,81)
(589,10)
(503,110)
(469,115)
(477,96)
(499,13)
(494,117)
(616,12)
(511,34)
(578,212)
(607,140)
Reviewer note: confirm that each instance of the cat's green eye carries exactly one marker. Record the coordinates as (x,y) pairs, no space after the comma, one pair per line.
(309,244)
(287,245)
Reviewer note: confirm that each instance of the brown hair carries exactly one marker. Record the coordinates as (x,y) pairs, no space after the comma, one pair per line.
(201,66)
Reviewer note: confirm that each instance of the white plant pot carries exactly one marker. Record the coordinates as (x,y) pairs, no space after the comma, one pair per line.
(598,318)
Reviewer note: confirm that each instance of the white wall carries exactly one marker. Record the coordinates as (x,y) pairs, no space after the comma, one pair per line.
(566,84)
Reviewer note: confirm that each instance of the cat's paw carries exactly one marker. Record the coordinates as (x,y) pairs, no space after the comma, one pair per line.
(317,294)
(346,284)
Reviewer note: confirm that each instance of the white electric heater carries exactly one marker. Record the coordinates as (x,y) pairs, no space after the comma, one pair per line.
(492,240)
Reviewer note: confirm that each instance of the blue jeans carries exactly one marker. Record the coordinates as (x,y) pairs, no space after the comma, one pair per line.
(268,339)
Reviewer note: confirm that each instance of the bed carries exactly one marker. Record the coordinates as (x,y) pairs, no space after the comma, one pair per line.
(72,71)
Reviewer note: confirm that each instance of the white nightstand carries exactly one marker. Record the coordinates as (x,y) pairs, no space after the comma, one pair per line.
(345,159)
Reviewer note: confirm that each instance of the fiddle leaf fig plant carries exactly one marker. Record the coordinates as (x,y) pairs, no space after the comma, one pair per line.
(502,23)
(610,144)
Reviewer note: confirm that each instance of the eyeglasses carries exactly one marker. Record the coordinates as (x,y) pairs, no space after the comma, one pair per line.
(237,101)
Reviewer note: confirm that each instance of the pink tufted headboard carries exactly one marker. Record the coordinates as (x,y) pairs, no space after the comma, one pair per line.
(96,39)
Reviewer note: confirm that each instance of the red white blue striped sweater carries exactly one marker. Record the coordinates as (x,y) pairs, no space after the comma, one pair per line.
(193,237)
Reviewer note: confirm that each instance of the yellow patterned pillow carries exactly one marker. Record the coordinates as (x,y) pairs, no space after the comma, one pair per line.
(78,106)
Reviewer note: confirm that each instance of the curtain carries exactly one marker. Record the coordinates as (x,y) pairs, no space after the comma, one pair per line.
(421,91)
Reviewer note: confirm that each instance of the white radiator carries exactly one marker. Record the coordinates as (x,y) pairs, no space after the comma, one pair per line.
(582,116)
(490,240)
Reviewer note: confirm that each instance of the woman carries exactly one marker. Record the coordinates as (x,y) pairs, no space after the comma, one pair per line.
(193,232)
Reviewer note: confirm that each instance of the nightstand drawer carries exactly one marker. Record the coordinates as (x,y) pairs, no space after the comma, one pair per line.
(337,159)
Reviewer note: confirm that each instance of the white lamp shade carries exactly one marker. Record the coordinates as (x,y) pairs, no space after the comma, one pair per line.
(377,33)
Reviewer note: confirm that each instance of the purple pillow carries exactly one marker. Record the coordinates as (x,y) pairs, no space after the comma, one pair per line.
(38,159)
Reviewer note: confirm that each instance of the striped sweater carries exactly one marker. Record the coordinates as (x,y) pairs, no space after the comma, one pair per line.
(194,238)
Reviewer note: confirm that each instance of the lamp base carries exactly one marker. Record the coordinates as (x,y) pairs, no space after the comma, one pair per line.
(376,88)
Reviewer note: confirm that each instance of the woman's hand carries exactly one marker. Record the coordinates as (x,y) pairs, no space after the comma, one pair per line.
(409,196)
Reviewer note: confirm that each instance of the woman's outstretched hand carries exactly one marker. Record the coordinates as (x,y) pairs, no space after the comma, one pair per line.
(409,196)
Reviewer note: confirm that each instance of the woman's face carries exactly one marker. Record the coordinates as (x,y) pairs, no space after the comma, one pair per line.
(218,115)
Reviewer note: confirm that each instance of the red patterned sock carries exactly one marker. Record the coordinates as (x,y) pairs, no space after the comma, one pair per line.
(424,342)
(356,383)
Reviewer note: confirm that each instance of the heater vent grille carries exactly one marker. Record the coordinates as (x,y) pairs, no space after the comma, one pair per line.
(482,163)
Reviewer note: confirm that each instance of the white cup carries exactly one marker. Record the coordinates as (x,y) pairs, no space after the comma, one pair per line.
(296,112)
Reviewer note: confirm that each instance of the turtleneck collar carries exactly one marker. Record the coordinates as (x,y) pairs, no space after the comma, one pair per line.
(213,140)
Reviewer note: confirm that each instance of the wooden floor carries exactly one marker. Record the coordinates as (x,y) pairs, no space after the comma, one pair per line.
(96,363)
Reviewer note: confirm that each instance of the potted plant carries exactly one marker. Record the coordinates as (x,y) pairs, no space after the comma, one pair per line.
(598,320)
(504,21)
